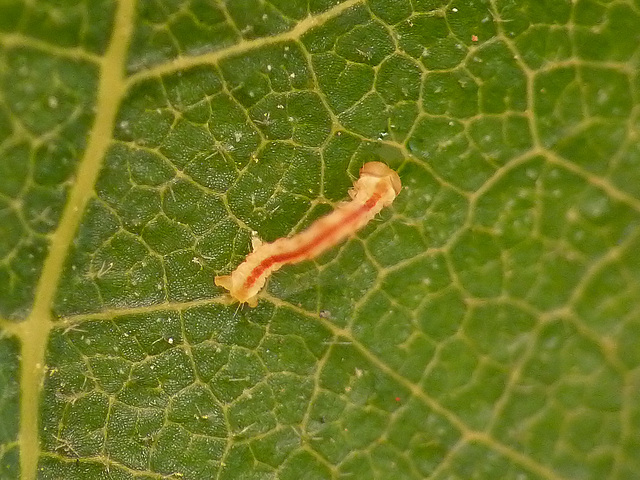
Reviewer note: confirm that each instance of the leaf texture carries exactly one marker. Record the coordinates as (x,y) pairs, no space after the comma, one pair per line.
(485,326)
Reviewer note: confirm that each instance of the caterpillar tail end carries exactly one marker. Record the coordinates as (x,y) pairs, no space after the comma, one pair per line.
(225,282)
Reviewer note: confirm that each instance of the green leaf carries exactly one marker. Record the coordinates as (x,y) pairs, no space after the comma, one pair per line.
(486,325)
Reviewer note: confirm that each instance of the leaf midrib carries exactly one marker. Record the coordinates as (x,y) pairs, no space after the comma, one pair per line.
(34,331)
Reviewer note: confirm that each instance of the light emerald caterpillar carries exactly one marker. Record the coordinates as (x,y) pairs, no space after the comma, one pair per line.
(376,188)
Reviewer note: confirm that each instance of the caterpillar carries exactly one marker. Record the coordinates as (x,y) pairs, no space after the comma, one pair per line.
(376,188)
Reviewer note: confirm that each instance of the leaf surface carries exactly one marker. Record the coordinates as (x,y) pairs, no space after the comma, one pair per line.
(484,326)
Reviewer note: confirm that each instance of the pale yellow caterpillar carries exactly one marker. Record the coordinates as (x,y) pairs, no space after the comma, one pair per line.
(376,188)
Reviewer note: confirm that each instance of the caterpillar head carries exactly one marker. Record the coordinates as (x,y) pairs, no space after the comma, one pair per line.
(381,170)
